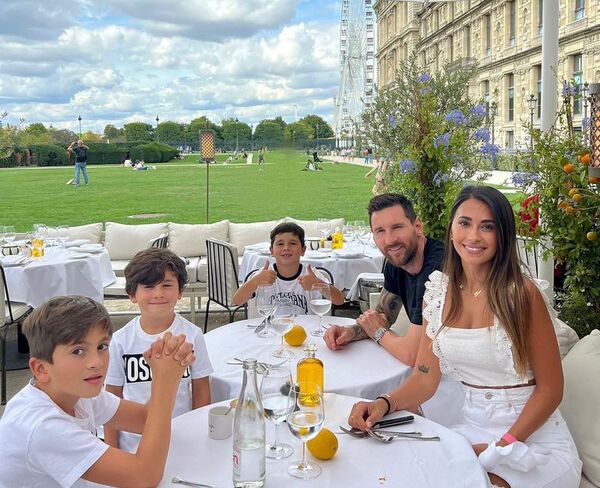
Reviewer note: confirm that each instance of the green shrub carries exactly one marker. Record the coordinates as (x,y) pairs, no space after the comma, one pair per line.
(153,152)
(48,155)
(101,153)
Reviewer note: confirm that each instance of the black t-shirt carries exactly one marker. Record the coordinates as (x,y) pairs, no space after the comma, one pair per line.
(81,153)
(410,288)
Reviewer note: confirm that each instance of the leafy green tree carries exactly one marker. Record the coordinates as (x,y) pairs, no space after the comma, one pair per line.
(268,133)
(62,136)
(200,124)
(236,133)
(298,134)
(7,138)
(90,136)
(34,134)
(321,129)
(138,131)
(111,132)
(171,133)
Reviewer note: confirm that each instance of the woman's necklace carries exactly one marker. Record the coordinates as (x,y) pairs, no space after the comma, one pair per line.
(475,293)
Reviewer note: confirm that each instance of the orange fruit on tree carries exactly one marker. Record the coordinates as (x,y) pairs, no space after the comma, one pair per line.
(592,236)
(563,204)
(568,168)
(577,197)
(572,191)
(569,210)
(585,159)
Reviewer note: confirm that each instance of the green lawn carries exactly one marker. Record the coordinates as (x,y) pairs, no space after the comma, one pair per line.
(238,192)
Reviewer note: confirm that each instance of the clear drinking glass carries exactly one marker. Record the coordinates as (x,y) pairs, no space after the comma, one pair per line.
(9,234)
(320,304)
(266,306)
(305,422)
(62,234)
(282,322)
(324,227)
(278,399)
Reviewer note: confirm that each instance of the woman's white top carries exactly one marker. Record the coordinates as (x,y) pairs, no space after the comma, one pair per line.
(480,357)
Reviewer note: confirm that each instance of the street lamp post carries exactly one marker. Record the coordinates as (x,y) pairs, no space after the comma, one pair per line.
(532,102)
(251,137)
(585,93)
(237,134)
(79,118)
(157,119)
(317,129)
(493,107)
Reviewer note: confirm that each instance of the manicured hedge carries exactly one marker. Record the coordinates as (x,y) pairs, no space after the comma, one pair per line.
(48,155)
(153,152)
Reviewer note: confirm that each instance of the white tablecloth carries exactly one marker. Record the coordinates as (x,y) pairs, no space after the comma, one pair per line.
(361,369)
(344,270)
(360,463)
(59,274)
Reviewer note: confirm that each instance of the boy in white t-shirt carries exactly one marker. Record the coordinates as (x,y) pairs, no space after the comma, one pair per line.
(154,280)
(292,280)
(48,430)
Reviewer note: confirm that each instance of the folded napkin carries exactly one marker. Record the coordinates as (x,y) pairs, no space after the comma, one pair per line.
(15,260)
(77,242)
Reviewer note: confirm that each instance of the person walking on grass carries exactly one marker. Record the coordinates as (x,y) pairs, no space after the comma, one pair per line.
(80,160)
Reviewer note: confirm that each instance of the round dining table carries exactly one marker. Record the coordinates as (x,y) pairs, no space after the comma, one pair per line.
(60,272)
(361,369)
(359,463)
(343,264)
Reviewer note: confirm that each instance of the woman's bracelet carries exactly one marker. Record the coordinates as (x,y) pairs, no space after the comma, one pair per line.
(509,438)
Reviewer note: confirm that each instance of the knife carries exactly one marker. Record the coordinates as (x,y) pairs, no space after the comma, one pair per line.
(397,421)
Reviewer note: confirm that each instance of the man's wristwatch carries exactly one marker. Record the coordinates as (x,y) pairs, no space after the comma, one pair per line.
(379,334)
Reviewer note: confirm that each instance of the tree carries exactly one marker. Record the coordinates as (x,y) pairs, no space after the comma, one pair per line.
(200,124)
(111,132)
(298,133)
(7,138)
(171,133)
(34,134)
(63,137)
(321,129)
(236,134)
(90,136)
(138,131)
(268,133)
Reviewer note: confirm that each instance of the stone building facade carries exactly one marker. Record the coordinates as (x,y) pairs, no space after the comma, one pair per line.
(504,38)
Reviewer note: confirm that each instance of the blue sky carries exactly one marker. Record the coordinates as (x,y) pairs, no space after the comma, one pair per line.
(116,61)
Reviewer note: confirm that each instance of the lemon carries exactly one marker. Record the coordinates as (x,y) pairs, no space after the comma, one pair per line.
(296,336)
(592,236)
(324,445)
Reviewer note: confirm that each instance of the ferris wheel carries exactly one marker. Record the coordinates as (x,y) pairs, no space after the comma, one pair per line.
(357,70)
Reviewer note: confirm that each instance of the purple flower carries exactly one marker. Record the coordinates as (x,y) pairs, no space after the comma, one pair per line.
(524,179)
(424,78)
(482,134)
(567,89)
(407,166)
(440,178)
(424,90)
(456,117)
(479,111)
(392,121)
(442,140)
(490,150)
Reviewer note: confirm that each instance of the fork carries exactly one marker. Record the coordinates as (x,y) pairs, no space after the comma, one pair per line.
(389,438)
(179,481)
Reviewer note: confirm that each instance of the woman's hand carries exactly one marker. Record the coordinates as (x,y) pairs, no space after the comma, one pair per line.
(364,414)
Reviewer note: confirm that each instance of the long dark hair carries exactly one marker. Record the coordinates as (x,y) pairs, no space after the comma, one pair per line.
(506,290)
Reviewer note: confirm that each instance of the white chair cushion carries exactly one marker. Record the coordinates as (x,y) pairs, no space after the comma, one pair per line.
(190,239)
(202,271)
(124,241)
(92,232)
(581,401)
(242,235)
(192,269)
(311,228)
(585,483)
(118,266)
(566,336)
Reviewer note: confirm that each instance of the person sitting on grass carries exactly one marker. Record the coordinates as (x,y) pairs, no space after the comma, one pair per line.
(48,429)
(292,280)
(154,280)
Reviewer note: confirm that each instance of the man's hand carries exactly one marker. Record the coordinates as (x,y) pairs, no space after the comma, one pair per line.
(266,276)
(337,337)
(308,280)
(364,414)
(372,320)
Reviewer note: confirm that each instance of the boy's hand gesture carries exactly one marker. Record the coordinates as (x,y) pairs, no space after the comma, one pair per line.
(266,276)
(308,280)
(169,356)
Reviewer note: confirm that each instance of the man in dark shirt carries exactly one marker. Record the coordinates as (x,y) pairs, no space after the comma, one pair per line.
(80,160)
(411,258)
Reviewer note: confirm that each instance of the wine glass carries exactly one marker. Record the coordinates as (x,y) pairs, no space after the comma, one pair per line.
(278,399)
(305,422)
(320,304)
(281,323)
(9,234)
(266,306)
(62,232)
(324,227)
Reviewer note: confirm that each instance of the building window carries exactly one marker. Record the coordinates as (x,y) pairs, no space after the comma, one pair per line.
(577,80)
(485,91)
(510,83)
(450,48)
(579,9)
(512,22)
(510,139)
(538,71)
(467,41)
(540,17)
(488,34)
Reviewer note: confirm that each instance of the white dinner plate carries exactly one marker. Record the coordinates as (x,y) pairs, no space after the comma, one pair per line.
(15,260)
(343,321)
(72,254)
(347,254)
(76,242)
(93,248)
(316,254)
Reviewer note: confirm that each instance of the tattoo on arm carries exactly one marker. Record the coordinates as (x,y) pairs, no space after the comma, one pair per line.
(389,305)
(423,369)
(359,333)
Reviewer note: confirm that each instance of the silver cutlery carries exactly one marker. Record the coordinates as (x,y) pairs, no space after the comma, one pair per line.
(179,481)
(386,436)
